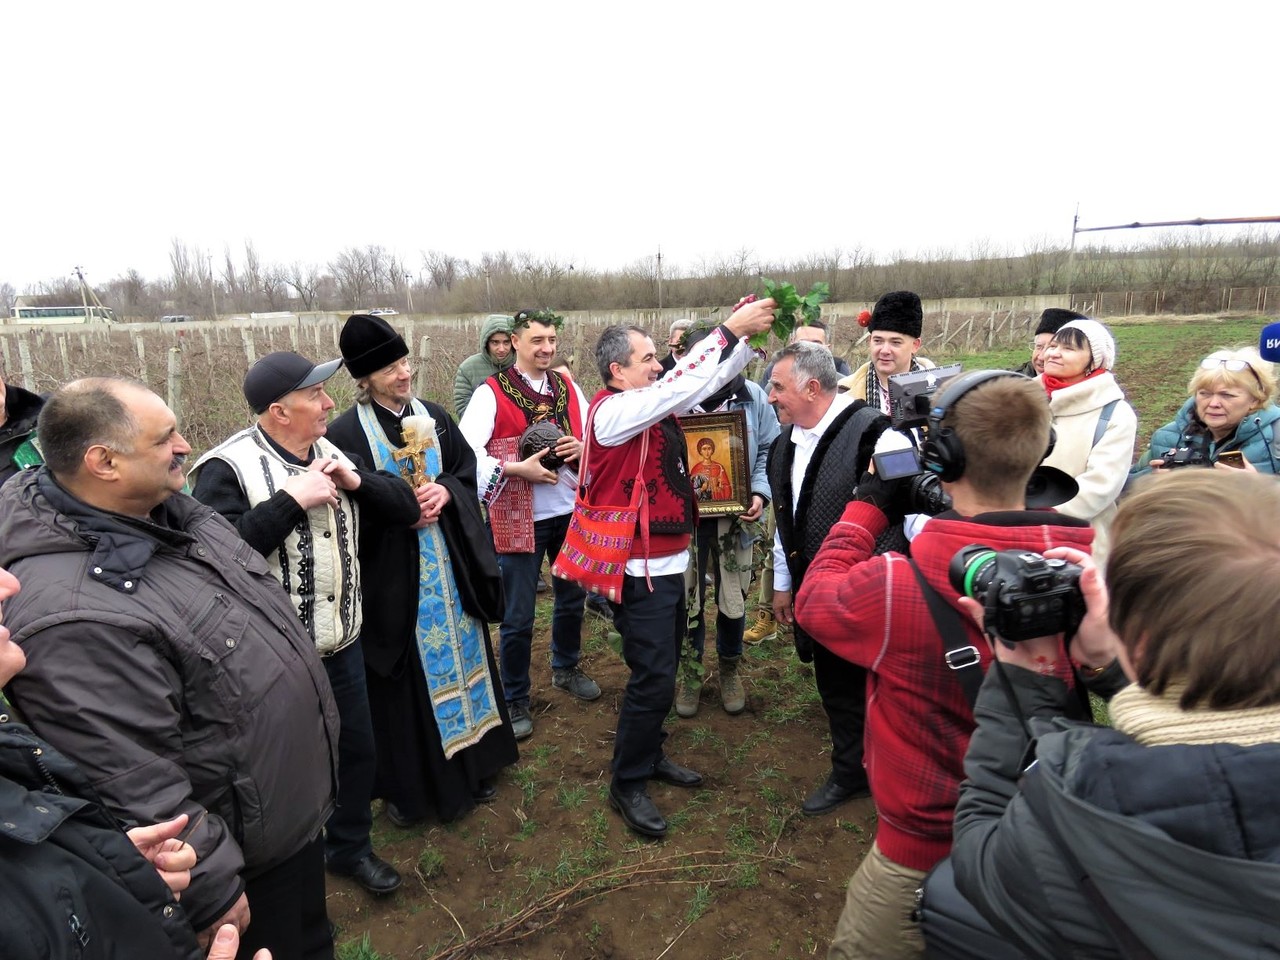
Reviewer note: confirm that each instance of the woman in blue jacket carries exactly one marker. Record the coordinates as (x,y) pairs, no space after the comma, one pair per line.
(1231,407)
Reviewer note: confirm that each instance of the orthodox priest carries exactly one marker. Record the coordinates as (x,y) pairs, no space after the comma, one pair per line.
(439,717)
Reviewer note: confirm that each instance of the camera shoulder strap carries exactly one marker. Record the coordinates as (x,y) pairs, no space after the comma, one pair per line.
(958,653)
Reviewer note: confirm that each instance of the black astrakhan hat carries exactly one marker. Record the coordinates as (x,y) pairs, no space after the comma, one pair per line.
(898,312)
(369,343)
(1051,320)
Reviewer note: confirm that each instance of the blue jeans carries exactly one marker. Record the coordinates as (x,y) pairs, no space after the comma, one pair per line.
(652,627)
(346,835)
(520,573)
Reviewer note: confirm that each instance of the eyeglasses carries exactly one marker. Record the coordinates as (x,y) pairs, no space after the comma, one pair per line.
(1234,366)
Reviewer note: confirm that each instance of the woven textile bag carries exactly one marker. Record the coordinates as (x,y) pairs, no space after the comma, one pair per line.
(598,542)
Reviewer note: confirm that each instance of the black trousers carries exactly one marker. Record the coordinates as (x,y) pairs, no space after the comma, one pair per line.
(652,628)
(347,832)
(286,909)
(843,689)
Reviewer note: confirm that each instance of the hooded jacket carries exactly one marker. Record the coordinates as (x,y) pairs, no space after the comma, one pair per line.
(1255,437)
(1100,469)
(164,659)
(870,610)
(22,409)
(479,367)
(1182,841)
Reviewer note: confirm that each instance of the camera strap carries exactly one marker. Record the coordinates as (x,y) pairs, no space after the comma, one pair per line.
(958,653)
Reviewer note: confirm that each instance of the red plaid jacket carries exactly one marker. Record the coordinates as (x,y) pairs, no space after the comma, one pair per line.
(869,610)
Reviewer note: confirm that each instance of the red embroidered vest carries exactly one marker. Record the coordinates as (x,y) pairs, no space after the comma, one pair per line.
(511,512)
(673,508)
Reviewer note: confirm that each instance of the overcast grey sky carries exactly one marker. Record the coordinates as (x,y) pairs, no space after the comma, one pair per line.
(595,132)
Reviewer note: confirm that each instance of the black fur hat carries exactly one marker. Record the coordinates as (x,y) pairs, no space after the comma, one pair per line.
(1053,319)
(898,312)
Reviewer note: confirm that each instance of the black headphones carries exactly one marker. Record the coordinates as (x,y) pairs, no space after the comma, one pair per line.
(943,453)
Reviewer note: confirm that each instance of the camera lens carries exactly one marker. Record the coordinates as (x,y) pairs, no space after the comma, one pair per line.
(970,571)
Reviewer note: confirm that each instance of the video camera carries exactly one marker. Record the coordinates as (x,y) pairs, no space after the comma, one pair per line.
(927,495)
(911,394)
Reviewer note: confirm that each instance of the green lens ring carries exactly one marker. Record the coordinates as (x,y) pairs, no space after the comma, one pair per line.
(972,568)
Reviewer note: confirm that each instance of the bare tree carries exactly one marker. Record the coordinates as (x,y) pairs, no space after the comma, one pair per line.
(442,268)
(185,272)
(305,280)
(7,295)
(353,275)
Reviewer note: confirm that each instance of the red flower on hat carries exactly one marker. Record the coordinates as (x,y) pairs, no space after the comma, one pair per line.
(864,318)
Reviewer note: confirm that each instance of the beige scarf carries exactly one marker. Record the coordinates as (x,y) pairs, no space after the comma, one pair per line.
(1159,721)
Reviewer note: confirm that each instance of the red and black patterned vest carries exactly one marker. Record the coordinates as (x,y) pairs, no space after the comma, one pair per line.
(511,512)
(673,508)
(519,406)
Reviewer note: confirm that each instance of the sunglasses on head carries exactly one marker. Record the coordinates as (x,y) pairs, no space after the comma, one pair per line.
(1235,366)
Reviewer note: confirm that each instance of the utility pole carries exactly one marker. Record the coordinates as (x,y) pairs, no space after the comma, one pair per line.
(213,293)
(488,291)
(408,289)
(84,297)
(659,277)
(1071,257)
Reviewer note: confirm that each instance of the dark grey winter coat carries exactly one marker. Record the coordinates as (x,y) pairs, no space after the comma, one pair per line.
(1183,841)
(166,662)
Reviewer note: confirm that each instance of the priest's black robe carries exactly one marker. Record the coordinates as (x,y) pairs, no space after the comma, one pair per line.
(413,773)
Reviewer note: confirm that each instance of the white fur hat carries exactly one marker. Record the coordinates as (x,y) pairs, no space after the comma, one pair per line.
(1101,344)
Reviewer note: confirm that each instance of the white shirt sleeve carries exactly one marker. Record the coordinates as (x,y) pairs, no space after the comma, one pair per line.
(781,572)
(477,428)
(704,370)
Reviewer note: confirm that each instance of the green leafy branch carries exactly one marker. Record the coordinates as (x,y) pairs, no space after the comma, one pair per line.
(788,303)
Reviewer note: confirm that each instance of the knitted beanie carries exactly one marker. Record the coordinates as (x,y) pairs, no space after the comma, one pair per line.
(1101,344)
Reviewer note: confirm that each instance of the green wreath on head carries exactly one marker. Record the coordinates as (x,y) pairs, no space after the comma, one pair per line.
(547,318)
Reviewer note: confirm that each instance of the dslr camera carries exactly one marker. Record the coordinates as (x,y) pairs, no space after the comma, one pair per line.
(1024,594)
(1192,451)
(911,394)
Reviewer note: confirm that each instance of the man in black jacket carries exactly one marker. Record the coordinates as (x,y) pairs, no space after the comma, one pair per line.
(825,446)
(164,659)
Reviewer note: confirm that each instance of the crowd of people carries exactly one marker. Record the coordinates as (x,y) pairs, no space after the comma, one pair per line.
(217,670)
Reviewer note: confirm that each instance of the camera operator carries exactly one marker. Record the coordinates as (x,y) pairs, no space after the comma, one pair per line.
(988,432)
(1161,832)
(1231,407)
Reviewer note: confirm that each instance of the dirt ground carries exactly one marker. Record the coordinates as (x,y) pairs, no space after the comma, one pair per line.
(548,871)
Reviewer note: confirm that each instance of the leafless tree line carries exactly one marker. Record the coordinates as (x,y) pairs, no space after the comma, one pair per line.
(1187,272)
